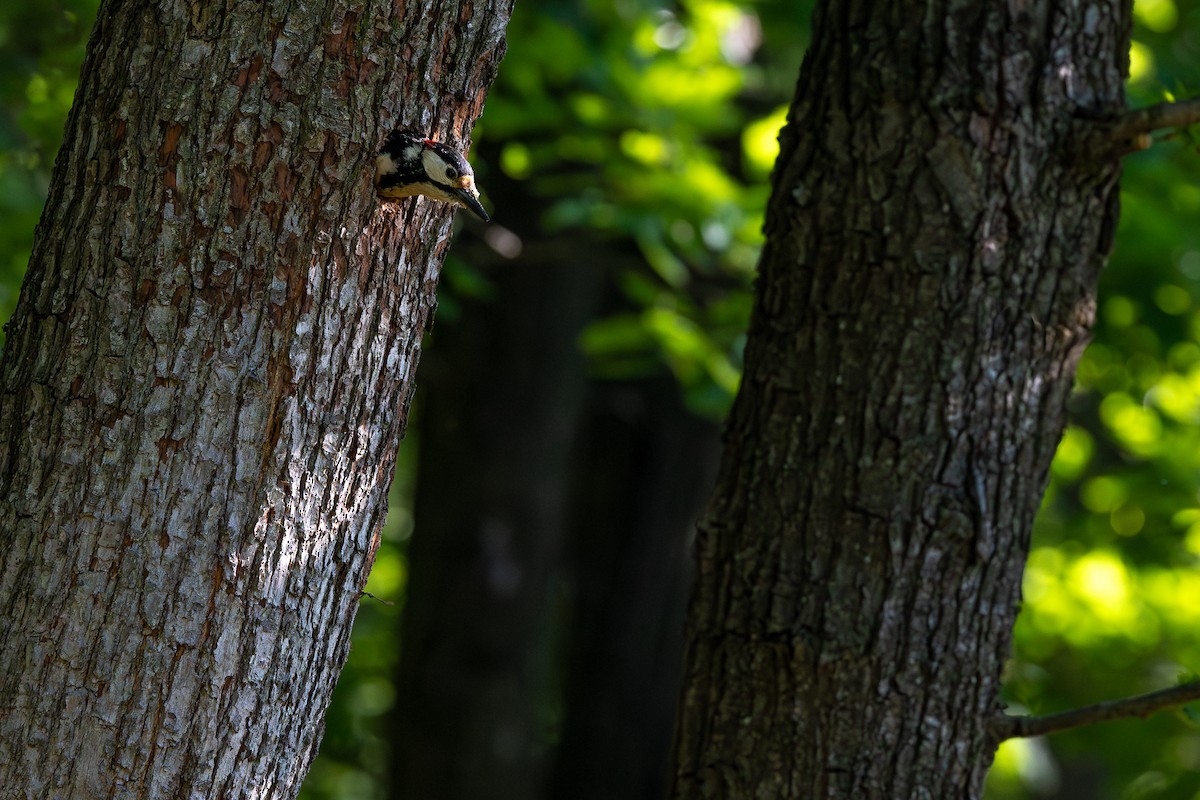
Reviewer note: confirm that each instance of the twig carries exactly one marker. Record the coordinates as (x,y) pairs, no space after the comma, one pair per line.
(1142,705)
(365,593)
(1145,121)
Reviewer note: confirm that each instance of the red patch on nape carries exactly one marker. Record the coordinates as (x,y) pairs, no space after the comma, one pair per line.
(429,143)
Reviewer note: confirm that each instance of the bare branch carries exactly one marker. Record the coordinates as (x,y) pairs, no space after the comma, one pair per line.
(1141,122)
(365,593)
(1142,705)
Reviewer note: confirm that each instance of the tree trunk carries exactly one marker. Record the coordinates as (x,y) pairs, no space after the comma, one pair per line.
(934,236)
(204,384)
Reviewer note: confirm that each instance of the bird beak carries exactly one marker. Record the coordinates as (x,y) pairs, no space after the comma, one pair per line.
(469,198)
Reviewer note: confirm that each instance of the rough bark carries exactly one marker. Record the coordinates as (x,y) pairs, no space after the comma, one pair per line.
(933,241)
(204,384)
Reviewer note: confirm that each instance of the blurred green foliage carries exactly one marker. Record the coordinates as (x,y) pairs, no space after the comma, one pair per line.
(41,48)
(653,126)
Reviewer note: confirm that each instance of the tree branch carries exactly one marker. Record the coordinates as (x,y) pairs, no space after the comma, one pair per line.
(1142,705)
(1137,125)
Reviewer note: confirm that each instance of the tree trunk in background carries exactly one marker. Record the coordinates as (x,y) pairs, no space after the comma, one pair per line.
(648,466)
(505,388)
(933,242)
(551,520)
(204,384)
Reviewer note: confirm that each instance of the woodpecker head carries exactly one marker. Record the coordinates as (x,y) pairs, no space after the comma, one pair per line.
(410,164)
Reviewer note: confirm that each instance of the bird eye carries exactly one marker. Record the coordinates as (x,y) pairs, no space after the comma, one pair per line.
(451,172)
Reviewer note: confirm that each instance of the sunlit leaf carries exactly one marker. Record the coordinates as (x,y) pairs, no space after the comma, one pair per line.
(1141,62)
(1157,15)
(760,141)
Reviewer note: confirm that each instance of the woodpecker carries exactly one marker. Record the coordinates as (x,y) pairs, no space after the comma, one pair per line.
(410,164)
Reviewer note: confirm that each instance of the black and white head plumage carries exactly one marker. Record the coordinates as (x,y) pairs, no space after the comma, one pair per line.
(409,164)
